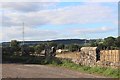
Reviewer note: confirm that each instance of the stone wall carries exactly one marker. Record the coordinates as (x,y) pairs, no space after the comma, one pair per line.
(88,56)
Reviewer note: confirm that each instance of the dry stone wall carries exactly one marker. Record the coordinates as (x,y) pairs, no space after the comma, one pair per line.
(88,56)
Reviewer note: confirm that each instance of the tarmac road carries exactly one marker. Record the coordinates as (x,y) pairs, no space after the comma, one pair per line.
(41,71)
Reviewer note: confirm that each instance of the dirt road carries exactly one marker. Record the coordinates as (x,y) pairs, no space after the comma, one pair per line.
(40,71)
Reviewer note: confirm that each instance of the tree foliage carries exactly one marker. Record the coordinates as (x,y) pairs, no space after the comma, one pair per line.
(14,44)
(52,44)
(61,46)
(117,42)
(109,41)
(73,47)
(39,48)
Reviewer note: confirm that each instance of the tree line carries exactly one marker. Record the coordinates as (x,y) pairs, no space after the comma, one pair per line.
(107,43)
(16,48)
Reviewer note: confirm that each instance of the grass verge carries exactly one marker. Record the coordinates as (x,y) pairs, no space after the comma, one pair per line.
(108,72)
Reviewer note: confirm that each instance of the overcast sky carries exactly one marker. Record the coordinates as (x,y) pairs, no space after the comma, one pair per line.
(59,20)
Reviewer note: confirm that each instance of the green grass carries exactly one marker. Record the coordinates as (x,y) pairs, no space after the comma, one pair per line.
(108,72)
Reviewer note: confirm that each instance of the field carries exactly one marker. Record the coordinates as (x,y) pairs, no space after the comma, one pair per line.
(70,55)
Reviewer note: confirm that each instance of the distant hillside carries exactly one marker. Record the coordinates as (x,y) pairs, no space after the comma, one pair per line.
(61,41)
(70,41)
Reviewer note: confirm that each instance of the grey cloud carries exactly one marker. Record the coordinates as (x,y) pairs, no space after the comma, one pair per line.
(27,6)
(82,14)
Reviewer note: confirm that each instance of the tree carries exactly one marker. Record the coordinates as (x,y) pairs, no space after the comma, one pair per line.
(101,46)
(117,42)
(7,50)
(31,49)
(109,41)
(39,48)
(61,46)
(14,44)
(93,44)
(52,44)
(28,50)
(73,47)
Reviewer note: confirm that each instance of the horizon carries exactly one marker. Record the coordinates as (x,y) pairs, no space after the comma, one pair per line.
(61,39)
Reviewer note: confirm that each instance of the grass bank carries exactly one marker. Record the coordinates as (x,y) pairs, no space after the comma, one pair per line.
(108,72)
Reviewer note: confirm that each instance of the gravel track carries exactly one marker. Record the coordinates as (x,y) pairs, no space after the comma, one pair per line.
(41,71)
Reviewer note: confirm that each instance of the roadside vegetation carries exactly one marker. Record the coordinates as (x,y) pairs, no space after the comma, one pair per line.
(101,71)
